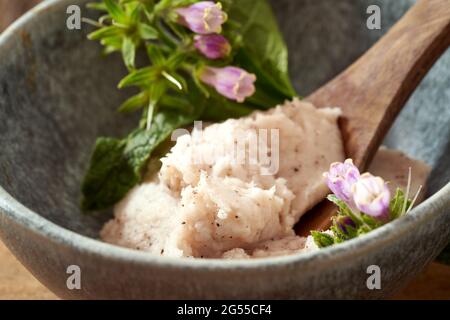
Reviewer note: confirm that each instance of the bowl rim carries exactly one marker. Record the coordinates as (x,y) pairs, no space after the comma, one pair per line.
(33,222)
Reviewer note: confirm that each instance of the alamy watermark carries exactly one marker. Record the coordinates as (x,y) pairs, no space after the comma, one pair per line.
(73,282)
(374,280)
(251,147)
(73,21)
(374,20)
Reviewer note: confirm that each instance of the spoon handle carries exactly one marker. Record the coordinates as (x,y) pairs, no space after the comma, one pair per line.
(374,89)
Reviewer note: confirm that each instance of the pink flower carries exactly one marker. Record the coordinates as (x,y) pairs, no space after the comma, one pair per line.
(341,178)
(204,17)
(212,46)
(371,196)
(231,82)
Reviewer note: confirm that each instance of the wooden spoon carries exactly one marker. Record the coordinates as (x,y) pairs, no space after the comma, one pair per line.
(373,90)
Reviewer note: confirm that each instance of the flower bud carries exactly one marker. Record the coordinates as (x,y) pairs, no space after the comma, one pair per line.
(345,224)
(212,46)
(371,196)
(204,17)
(231,82)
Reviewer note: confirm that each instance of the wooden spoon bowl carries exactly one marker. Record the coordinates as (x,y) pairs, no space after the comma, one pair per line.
(373,90)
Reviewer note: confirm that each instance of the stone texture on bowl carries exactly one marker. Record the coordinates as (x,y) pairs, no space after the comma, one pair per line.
(57,94)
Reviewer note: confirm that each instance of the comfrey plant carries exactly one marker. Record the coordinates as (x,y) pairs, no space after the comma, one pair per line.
(201,60)
(364,203)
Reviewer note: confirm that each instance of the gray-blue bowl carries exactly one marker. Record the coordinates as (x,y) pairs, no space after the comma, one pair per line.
(57,94)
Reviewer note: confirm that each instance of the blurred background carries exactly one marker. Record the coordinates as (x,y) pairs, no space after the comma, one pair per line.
(17,283)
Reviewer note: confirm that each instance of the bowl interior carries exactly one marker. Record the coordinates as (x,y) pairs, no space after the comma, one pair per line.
(57,94)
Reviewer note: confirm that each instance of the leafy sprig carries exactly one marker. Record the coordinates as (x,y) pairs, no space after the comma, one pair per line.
(169,81)
(350,223)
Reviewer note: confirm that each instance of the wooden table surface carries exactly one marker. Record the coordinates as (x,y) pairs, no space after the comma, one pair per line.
(17,283)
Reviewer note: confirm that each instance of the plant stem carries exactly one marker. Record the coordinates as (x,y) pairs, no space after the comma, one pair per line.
(170,40)
(172,80)
(407,193)
(92,22)
(150,112)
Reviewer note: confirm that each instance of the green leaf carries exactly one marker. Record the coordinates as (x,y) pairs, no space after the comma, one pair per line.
(141,77)
(162,5)
(133,11)
(322,239)
(179,104)
(147,32)
(97,6)
(195,73)
(128,52)
(263,51)
(116,12)
(344,209)
(175,60)
(396,204)
(370,221)
(155,54)
(220,109)
(134,103)
(108,50)
(105,32)
(167,4)
(114,42)
(116,165)
(157,91)
(99,191)
(267,94)
(128,1)
(363,230)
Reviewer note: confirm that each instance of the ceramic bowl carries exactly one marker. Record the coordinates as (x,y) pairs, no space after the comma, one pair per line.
(57,94)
